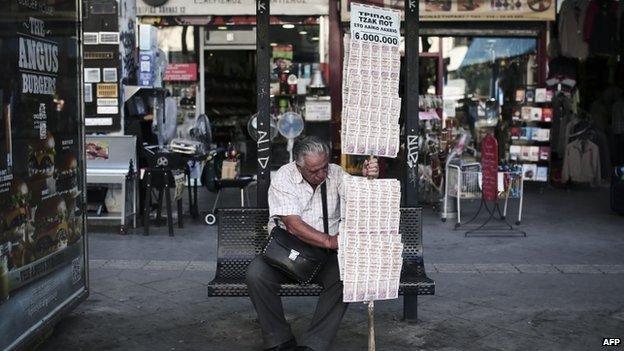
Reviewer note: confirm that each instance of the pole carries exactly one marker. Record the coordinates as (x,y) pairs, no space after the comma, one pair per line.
(201,97)
(263,104)
(371,326)
(410,186)
(371,304)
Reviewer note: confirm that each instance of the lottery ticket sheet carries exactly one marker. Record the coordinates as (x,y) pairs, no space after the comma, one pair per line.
(370,248)
(371,103)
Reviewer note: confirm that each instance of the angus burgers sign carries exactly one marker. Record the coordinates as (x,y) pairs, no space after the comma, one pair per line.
(42,246)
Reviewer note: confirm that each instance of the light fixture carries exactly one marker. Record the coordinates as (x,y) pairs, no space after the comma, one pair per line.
(222,28)
(273,44)
(303,32)
(288,26)
(315,38)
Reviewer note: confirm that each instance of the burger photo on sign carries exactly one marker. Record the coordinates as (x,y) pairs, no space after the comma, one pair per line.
(51,229)
(67,176)
(41,155)
(67,188)
(17,227)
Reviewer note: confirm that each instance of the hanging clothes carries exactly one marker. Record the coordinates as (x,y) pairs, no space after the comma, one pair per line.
(581,163)
(600,27)
(600,114)
(562,115)
(617,129)
(584,129)
(571,22)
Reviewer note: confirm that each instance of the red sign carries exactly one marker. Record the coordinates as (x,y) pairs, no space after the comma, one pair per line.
(489,168)
(181,72)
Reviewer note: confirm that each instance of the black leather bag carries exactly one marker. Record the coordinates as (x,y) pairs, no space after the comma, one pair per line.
(294,257)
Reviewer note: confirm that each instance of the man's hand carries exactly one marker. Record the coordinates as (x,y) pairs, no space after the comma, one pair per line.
(371,168)
(333,242)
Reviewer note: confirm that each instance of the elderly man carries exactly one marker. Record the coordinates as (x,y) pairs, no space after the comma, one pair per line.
(295,201)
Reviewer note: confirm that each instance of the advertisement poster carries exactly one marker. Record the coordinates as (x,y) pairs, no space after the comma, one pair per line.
(228,7)
(42,258)
(468,10)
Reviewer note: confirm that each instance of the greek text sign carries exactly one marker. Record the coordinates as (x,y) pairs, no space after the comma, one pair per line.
(375,24)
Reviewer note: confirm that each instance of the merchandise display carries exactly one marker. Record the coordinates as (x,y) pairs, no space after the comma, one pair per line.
(371,103)
(530,133)
(370,244)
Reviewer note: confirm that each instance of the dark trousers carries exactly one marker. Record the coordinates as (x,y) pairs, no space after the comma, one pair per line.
(264,282)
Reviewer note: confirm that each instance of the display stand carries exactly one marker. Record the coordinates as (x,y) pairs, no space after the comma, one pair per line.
(489,193)
(530,133)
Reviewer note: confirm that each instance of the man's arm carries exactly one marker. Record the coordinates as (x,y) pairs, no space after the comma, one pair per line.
(296,226)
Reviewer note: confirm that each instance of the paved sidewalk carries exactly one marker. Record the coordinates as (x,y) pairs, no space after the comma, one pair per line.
(560,288)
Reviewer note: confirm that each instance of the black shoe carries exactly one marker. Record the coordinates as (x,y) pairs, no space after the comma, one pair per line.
(289,345)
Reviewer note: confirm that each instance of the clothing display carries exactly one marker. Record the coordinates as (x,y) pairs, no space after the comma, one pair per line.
(600,114)
(617,130)
(571,22)
(583,128)
(563,68)
(617,117)
(563,113)
(600,27)
(581,163)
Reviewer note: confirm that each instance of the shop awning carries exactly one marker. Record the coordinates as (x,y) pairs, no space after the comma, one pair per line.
(483,50)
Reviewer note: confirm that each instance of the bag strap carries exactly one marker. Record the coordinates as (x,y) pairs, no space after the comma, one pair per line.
(324,197)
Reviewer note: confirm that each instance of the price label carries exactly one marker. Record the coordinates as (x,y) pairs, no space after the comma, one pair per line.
(375,24)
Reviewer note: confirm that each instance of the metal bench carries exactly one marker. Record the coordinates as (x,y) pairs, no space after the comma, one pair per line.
(243,234)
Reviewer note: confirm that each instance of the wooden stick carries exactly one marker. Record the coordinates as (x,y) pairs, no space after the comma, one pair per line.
(371,326)
(371,304)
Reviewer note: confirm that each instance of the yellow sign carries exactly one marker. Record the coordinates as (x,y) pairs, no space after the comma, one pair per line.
(107,90)
(469,10)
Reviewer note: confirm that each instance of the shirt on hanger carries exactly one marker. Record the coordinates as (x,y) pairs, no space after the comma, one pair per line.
(600,27)
(581,162)
(571,21)
(617,118)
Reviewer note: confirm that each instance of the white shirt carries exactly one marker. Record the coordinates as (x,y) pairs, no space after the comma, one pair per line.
(290,194)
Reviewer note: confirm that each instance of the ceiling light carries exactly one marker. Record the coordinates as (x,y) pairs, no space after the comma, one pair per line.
(315,38)
(288,26)
(273,44)
(222,28)
(303,32)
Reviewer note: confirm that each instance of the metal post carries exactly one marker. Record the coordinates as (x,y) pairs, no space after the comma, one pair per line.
(335,77)
(410,186)
(201,97)
(262,87)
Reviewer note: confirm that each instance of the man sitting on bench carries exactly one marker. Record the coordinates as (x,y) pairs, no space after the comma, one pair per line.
(295,201)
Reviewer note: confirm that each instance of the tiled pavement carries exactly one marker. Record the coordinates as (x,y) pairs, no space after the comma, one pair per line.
(560,288)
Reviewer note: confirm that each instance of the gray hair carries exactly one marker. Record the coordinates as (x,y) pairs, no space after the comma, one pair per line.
(309,145)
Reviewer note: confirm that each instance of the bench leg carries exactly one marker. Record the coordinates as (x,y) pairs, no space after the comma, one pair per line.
(180,214)
(169,214)
(410,307)
(159,209)
(147,204)
(195,207)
